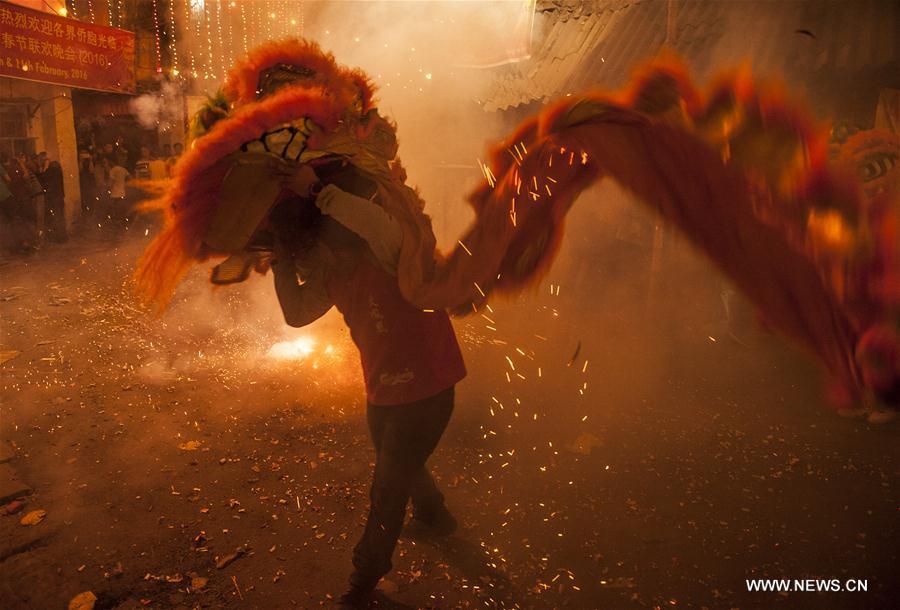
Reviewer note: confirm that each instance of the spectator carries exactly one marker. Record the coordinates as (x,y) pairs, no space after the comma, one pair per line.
(101,175)
(5,180)
(7,207)
(142,166)
(158,169)
(109,153)
(50,175)
(35,204)
(173,158)
(119,207)
(88,180)
(55,195)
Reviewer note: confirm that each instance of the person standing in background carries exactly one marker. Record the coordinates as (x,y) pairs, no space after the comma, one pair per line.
(88,181)
(101,177)
(34,203)
(7,208)
(5,181)
(109,153)
(142,165)
(158,168)
(173,158)
(119,207)
(50,175)
(22,215)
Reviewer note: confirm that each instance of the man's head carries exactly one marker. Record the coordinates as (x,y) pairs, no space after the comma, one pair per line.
(167,150)
(145,153)
(179,148)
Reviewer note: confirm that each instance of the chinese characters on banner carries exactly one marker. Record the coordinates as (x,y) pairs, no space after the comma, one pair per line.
(44,47)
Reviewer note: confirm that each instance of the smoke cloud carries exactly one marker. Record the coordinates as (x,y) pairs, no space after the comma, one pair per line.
(160,109)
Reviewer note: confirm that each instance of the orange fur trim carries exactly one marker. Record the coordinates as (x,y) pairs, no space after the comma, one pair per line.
(240,85)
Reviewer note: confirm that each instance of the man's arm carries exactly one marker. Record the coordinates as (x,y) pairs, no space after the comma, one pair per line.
(301,303)
(368,220)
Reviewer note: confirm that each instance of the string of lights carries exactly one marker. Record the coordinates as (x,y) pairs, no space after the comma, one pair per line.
(199,38)
(173,46)
(156,35)
(229,33)
(209,45)
(187,27)
(243,26)
(221,54)
(198,22)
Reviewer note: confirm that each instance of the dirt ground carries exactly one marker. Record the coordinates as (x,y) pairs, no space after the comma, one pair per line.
(600,456)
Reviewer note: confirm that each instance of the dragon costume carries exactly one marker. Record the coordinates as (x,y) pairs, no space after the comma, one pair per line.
(740,171)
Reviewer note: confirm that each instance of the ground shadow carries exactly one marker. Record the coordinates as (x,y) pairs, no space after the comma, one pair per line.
(386,603)
(472,561)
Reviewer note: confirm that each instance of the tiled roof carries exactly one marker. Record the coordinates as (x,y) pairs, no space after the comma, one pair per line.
(582,43)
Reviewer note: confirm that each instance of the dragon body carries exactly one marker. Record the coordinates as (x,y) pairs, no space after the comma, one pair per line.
(740,171)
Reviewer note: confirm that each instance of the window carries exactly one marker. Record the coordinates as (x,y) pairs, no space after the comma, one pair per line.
(14,138)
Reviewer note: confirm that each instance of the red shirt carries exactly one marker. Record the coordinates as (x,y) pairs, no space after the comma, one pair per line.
(407,354)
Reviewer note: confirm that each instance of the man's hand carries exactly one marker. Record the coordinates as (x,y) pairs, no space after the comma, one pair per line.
(301,179)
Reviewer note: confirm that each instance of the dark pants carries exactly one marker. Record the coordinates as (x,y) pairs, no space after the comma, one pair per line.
(404,438)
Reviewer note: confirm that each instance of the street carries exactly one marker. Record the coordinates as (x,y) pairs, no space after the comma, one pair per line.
(216,458)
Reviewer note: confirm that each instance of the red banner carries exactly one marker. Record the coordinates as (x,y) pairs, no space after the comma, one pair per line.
(52,49)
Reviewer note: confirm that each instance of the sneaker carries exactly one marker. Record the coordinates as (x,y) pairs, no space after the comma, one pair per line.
(881,416)
(440,521)
(360,593)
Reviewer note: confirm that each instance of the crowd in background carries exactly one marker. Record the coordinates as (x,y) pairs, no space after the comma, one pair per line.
(32,193)
(32,202)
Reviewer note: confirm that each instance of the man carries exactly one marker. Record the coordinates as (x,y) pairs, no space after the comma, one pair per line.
(35,204)
(345,252)
(50,175)
(109,153)
(88,181)
(172,158)
(118,202)
(7,206)
(157,166)
(142,165)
